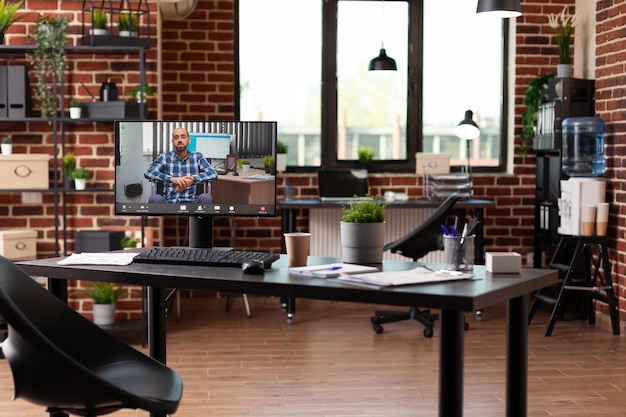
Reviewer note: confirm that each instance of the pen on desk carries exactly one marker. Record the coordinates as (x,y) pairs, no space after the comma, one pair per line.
(444,230)
(453,231)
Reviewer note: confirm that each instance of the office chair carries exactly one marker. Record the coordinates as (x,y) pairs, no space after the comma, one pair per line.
(427,237)
(64,362)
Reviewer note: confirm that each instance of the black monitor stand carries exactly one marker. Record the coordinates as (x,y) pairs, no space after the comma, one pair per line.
(201,232)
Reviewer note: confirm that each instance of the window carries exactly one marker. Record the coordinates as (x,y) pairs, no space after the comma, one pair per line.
(304,64)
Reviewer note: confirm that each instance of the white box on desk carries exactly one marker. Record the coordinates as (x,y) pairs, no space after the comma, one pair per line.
(503,262)
(18,244)
(24,171)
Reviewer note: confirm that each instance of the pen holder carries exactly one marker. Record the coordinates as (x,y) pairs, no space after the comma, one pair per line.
(459,252)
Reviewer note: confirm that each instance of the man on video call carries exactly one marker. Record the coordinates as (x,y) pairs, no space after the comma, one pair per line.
(181,172)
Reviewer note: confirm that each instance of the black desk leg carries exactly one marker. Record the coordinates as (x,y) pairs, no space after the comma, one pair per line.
(156,327)
(517,358)
(451,364)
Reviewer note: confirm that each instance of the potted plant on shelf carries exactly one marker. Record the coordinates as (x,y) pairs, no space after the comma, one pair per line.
(535,96)
(104,296)
(365,156)
(80,177)
(244,164)
(75,110)
(100,18)
(269,163)
(281,156)
(68,165)
(128,24)
(49,62)
(362,231)
(8,16)
(146,90)
(7,145)
(563,23)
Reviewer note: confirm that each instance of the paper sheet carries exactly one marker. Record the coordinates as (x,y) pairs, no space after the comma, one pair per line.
(101,258)
(419,275)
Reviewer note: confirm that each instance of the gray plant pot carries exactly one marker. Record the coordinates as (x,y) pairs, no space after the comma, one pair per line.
(362,243)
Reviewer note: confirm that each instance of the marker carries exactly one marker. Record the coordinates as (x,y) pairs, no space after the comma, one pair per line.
(444,230)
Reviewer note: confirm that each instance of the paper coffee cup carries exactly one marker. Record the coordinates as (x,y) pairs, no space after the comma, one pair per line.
(602,218)
(588,219)
(297,245)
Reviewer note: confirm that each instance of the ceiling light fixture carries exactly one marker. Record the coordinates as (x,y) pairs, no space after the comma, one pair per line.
(499,8)
(383,62)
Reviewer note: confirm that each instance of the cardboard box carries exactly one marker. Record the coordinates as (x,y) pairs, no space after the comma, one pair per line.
(18,244)
(503,262)
(24,171)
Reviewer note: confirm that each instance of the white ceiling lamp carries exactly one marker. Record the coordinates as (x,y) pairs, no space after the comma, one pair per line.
(499,8)
(176,9)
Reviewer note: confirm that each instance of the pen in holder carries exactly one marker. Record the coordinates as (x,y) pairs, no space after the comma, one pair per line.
(459,252)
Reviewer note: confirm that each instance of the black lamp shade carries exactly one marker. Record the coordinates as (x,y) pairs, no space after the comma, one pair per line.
(383,63)
(467,129)
(499,8)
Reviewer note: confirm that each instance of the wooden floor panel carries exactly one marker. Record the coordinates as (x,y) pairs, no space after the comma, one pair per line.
(329,363)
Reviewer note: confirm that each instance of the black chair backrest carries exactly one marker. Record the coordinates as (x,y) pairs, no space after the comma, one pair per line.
(427,237)
(61,360)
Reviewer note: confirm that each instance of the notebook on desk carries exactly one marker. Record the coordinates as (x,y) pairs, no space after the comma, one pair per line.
(342,184)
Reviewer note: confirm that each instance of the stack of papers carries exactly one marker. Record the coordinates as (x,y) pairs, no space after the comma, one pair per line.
(419,275)
(99,258)
(331,270)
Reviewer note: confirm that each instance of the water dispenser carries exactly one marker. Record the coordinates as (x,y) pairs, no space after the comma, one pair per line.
(583,146)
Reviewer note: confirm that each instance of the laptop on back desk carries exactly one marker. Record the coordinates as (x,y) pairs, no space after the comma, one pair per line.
(342,184)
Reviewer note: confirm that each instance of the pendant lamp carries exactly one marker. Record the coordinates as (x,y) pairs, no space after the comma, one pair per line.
(383,62)
(499,8)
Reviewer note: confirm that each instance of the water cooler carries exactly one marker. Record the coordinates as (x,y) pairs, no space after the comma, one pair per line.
(583,160)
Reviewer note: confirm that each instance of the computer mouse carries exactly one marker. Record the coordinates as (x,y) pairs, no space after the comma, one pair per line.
(253,267)
(235,173)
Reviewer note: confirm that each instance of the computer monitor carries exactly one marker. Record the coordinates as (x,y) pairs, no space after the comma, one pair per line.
(238,193)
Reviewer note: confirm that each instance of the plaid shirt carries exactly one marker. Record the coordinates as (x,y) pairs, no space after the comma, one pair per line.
(167,166)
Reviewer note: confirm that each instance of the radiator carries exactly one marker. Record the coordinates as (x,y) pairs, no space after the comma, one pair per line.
(325,240)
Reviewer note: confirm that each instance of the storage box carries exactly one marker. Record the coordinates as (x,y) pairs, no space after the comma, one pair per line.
(503,262)
(432,163)
(24,171)
(98,240)
(111,110)
(18,244)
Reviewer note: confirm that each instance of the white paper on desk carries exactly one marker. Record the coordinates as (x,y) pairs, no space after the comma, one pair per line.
(419,275)
(260,177)
(331,270)
(100,258)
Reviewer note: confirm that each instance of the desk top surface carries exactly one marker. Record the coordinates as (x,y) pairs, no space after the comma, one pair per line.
(301,203)
(470,295)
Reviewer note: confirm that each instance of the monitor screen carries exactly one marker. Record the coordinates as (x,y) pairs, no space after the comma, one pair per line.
(149,172)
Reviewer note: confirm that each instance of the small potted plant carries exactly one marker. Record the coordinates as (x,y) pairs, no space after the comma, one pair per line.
(75,110)
(80,177)
(128,242)
(362,231)
(68,165)
(244,164)
(365,156)
(281,156)
(7,145)
(104,296)
(563,23)
(128,24)
(99,23)
(7,16)
(269,163)
(147,92)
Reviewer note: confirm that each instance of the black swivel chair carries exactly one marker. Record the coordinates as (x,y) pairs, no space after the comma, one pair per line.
(64,362)
(427,237)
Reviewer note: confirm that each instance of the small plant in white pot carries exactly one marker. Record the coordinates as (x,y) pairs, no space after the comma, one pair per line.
(7,145)
(104,296)
(281,156)
(75,110)
(80,177)
(128,24)
(244,164)
(363,231)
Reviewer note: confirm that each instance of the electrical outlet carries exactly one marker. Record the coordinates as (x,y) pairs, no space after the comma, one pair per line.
(32,197)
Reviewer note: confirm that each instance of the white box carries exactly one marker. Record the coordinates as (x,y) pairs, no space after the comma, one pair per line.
(432,163)
(24,171)
(18,244)
(503,262)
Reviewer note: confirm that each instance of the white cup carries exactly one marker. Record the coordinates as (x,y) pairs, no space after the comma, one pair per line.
(588,219)
(602,218)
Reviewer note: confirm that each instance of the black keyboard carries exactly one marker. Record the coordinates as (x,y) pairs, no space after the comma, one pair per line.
(205,257)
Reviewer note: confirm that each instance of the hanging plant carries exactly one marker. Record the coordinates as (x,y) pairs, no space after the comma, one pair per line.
(535,96)
(48,61)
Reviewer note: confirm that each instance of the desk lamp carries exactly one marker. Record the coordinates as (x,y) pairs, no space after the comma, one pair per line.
(467,130)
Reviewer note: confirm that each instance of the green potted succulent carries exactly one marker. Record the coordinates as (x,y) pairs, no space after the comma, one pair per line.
(8,16)
(128,24)
(281,156)
(7,145)
(80,177)
(49,62)
(362,230)
(104,296)
(244,164)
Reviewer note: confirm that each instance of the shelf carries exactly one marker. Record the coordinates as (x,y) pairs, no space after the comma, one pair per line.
(81,49)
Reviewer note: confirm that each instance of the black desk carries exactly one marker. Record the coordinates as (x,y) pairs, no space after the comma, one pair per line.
(290,207)
(453,298)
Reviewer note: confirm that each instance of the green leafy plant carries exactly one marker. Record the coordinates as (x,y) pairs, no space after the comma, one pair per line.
(7,140)
(281,147)
(535,96)
(80,174)
(7,14)
(49,62)
(365,155)
(74,103)
(128,21)
(243,162)
(102,292)
(147,91)
(128,242)
(269,161)
(364,211)
(68,164)
(100,18)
